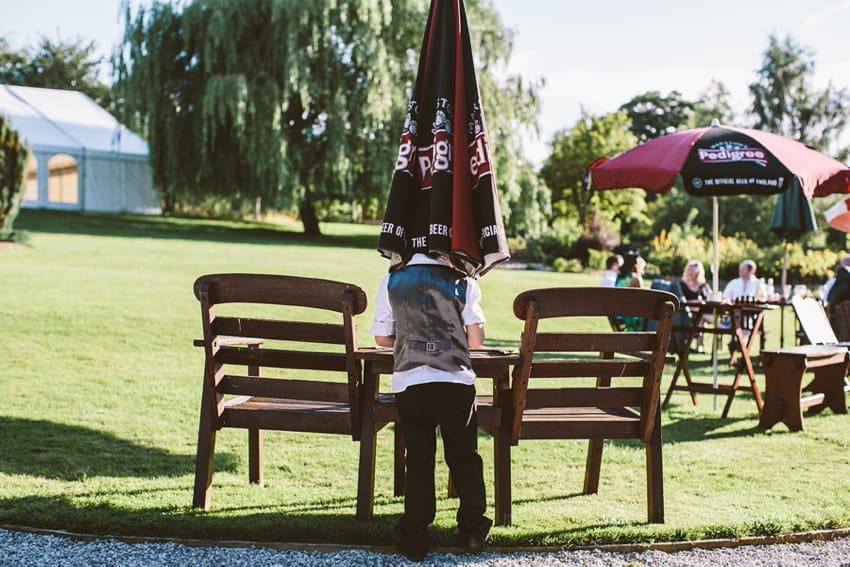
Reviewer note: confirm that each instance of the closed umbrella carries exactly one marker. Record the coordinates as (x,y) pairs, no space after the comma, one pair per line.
(792,217)
(443,194)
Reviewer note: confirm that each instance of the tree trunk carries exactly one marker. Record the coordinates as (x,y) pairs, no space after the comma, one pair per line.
(308,217)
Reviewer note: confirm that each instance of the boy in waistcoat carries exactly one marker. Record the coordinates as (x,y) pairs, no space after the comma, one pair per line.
(430,314)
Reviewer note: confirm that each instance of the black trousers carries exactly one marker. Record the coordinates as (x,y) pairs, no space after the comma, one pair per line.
(422,409)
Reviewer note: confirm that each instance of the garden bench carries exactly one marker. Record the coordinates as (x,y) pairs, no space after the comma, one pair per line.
(317,386)
(593,385)
(784,369)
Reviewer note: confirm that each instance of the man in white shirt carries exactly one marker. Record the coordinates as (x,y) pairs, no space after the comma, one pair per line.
(430,314)
(746,285)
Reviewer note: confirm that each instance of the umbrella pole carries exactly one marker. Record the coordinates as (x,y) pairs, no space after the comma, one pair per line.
(783,279)
(715,285)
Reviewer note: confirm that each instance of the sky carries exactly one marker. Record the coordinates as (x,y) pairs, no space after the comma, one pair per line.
(593,55)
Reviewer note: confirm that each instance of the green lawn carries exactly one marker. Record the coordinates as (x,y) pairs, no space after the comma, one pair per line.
(100,385)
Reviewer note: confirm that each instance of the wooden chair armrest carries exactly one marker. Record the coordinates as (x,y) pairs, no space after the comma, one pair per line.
(230,341)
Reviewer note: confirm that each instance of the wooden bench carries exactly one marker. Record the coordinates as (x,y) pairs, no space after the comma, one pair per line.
(307,334)
(784,369)
(572,383)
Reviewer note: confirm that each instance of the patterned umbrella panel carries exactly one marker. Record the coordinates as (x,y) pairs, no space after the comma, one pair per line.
(443,197)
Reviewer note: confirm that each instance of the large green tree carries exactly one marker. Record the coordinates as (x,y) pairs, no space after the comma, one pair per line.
(565,172)
(260,99)
(785,102)
(653,114)
(55,64)
(299,104)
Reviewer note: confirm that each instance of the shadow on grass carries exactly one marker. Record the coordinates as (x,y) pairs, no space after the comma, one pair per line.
(273,524)
(703,428)
(69,452)
(178,228)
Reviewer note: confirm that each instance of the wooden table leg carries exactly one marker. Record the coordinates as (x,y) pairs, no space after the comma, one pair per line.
(829,381)
(783,381)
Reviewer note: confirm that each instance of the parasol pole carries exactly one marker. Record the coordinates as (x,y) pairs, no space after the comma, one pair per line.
(782,280)
(715,285)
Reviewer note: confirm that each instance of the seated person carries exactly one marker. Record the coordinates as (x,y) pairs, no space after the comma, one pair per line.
(631,271)
(840,289)
(694,287)
(631,275)
(612,270)
(745,285)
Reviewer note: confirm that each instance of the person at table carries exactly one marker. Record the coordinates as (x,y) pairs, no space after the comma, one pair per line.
(612,270)
(631,271)
(745,285)
(431,315)
(840,289)
(631,275)
(695,288)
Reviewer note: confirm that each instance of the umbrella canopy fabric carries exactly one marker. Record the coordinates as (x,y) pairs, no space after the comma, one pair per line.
(838,215)
(443,198)
(792,215)
(722,160)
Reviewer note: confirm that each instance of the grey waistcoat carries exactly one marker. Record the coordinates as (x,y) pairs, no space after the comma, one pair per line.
(427,301)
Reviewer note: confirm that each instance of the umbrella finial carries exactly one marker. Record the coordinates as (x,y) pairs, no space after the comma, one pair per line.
(715,122)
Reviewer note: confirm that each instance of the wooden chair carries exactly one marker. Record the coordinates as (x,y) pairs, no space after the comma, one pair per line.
(585,403)
(237,347)
(747,323)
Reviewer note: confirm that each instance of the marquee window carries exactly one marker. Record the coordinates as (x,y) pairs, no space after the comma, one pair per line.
(31,180)
(62,179)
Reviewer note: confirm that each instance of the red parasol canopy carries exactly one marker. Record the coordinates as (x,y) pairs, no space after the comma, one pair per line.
(443,195)
(721,160)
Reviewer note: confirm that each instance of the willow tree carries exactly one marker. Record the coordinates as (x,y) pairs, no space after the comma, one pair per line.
(268,99)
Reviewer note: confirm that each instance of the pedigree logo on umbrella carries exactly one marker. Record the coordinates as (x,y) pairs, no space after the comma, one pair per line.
(732,152)
(442,198)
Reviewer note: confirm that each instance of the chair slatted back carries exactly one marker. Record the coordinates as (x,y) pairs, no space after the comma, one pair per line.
(232,340)
(600,355)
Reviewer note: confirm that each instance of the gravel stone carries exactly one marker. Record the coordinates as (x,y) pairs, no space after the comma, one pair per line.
(28,549)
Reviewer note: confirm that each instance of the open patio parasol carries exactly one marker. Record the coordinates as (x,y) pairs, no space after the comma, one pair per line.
(722,160)
(443,194)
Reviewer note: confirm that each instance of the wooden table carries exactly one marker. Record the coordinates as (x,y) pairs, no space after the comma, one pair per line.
(783,393)
(736,312)
(494,416)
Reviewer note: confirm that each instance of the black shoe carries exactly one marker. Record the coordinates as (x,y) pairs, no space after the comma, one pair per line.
(475,540)
(413,546)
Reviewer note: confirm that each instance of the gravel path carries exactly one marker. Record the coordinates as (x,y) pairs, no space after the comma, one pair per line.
(18,548)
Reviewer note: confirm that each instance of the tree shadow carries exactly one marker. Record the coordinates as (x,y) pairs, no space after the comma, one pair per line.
(69,452)
(704,428)
(178,228)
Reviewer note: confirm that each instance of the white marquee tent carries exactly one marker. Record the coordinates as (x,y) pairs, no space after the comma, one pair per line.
(82,158)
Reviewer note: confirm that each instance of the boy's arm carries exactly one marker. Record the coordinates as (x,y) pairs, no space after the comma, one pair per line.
(384,341)
(474,335)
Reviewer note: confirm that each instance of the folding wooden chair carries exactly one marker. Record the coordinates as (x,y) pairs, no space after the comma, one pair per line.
(593,397)
(237,347)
